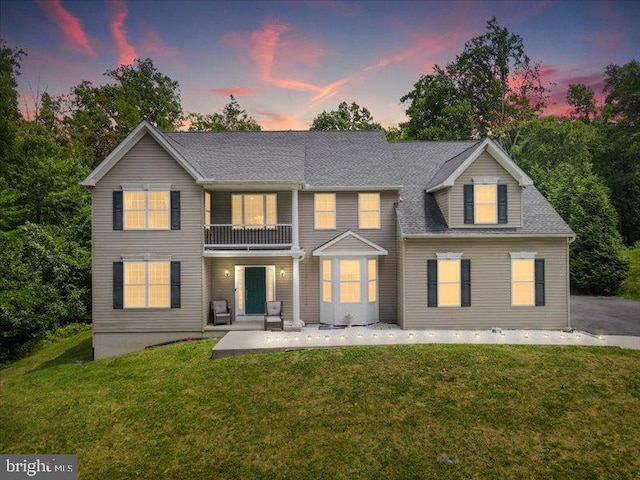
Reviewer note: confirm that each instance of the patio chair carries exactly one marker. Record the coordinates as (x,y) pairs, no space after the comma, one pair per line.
(220,312)
(273,312)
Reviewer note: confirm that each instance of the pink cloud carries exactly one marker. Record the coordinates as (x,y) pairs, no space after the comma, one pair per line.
(237,91)
(275,47)
(153,46)
(126,52)
(276,121)
(557,102)
(75,37)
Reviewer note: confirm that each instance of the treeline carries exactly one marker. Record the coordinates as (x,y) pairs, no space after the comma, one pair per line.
(586,165)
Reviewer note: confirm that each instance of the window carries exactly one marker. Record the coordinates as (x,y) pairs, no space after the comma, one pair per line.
(326,280)
(373,280)
(146,285)
(368,210)
(349,281)
(207,209)
(448,283)
(522,282)
(324,211)
(146,210)
(486,203)
(253,210)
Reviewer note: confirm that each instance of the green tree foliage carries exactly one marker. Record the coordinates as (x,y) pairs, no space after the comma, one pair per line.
(555,153)
(44,283)
(622,85)
(232,117)
(100,117)
(346,117)
(488,87)
(581,98)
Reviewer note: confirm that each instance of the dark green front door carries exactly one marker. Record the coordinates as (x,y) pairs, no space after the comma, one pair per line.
(255,290)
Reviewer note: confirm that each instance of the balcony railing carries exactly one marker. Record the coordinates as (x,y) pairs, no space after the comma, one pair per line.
(246,236)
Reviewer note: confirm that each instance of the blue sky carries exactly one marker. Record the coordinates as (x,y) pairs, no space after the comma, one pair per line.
(287,61)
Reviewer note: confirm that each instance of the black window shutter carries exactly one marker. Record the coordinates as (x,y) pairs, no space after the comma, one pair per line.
(118,285)
(432,283)
(175,210)
(539,282)
(502,204)
(117,210)
(468,204)
(175,284)
(465,283)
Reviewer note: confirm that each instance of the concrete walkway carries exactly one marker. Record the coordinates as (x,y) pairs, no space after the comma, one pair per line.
(238,343)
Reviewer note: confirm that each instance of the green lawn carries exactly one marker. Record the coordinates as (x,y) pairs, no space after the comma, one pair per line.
(631,286)
(365,412)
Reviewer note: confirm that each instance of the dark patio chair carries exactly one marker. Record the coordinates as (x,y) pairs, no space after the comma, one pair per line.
(273,312)
(220,312)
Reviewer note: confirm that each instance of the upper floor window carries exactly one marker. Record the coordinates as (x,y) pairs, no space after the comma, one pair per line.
(324,205)
(146,285)
(486,203)
(207,208)
(146,210)
(253,210)
(368,210)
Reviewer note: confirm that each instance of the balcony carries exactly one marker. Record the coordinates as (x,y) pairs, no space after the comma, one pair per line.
(232,236)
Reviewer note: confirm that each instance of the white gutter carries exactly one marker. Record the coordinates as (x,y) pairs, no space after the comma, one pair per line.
(351,188)
(487,235)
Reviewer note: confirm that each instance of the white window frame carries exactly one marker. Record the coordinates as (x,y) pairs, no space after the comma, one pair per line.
(374,280)
(146,284)
(359,281)
(316,211)
(378,211)
(483,182)
(146,207)
(450,257)
(323,281)
(529,256)
(265,223)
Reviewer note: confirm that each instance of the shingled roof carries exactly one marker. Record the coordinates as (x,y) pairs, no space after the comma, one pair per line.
(314,159)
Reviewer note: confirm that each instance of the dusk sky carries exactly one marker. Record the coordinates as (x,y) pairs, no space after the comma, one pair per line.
(287,61)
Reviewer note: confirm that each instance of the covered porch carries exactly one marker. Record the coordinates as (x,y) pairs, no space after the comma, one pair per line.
(246,281)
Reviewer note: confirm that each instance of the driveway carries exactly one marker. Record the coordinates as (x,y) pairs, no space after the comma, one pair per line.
(605,315)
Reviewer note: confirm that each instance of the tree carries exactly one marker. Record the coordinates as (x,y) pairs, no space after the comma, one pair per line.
(231,118)
(100,117)
(346,117)
(9,114)
(490,85)
(437,110)
(622,85)
(581,98)
(556,154)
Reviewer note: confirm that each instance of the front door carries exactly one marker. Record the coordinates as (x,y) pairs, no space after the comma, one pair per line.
(255,290)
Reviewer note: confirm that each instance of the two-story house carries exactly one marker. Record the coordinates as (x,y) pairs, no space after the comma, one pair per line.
(343,227)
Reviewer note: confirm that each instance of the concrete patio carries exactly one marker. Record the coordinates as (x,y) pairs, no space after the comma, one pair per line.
(239,343)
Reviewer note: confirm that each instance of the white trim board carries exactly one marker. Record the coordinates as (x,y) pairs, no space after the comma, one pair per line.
(320,251)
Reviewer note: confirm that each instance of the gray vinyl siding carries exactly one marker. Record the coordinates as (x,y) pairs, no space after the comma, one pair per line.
(221,200)
(224,288)
(442,199)
(485,166)
(147,162)
(490,284)
(347,219)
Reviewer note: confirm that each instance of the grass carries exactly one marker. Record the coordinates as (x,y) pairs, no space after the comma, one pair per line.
(631,286)
(366,412)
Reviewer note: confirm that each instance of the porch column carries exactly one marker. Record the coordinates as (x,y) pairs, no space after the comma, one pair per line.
(296,291)
(294,221)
